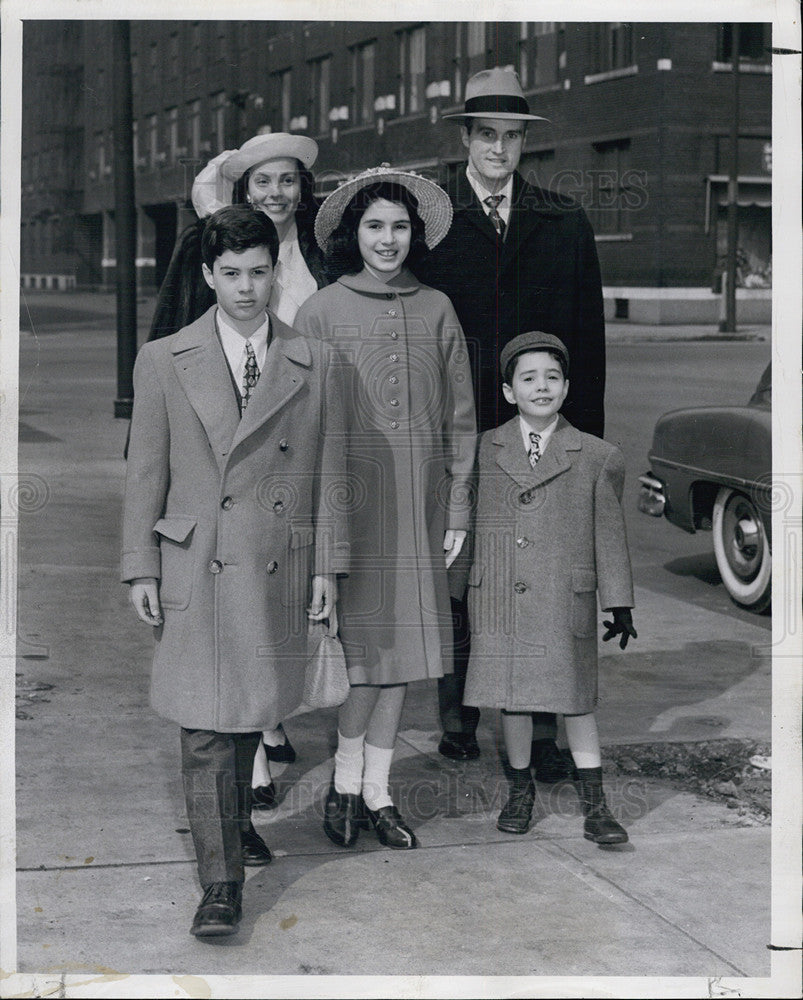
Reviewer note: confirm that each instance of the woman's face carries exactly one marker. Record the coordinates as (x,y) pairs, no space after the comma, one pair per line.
(383,236)
(274,187)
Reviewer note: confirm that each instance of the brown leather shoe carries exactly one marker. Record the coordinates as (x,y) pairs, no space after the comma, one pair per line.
(264,797)
(343,816)
(256,852)
(219,911)
(518,810)
(602,828)
(391,829)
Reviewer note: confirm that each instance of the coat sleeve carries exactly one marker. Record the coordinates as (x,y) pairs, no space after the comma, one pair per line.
(585,405)
(332,493)
(147,473)
(460,424)
(614,577)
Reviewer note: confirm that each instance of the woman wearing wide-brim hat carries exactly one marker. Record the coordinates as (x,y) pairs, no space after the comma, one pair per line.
(271,172)
(410,447)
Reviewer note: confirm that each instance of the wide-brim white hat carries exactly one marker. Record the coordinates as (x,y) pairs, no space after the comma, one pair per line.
(434,206)
(496,93)
(270,146)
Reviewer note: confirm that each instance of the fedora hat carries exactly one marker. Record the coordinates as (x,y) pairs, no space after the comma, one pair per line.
(434,206)
(270,146)
(496,93)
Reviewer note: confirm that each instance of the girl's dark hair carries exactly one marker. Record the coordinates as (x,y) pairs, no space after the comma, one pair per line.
(343,252)
(307,205)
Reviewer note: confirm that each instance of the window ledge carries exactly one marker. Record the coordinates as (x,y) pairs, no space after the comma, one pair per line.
(613,237)
(409,117)
(611,74)
(546,88)
(744,67)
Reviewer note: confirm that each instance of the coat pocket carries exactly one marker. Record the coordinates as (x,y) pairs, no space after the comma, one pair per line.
(299,565)
(178,559)
(584,603)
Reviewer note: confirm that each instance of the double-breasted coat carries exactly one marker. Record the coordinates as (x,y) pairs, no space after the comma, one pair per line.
(233,517)
(411,446)
(543,276)
(548,540)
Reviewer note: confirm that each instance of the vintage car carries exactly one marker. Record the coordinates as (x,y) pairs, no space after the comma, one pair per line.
(710,470)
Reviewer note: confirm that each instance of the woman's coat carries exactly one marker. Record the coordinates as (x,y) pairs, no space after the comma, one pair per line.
(410,415)
(548,540)
(233,516)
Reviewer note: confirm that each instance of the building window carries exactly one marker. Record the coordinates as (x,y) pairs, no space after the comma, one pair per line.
(194,128)
(154,59)
(611,46)
(613,188)
(320,93)
(412,70)
(363,63)
(153,140)
(475,46)
(219,122)
(134,71)
(754,43)
(458,62)
(172,133)
(173,59)
(281,96)
(196,46)
(135,143)
(524,54)
(548,53)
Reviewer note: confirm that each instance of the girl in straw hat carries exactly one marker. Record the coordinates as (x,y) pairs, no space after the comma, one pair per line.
(271,172)
(410,455)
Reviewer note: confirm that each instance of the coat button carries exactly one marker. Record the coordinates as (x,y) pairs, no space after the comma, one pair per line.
(393,402)
(522,542)
(227,503)
(393,380)
(394,357)
(388,295)
(215,566)
(526,497)
(394,424)
(391,312)
(393,334)
(520,587)
(272,567)
(278,507)
(283,445)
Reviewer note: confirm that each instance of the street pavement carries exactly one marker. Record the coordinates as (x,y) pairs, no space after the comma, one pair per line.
(106,884)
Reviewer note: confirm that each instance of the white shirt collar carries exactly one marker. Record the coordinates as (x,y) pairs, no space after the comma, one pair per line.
(234,345)
(546,434)
(482,192)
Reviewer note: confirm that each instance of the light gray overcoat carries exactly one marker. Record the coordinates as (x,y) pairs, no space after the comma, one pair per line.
(412,440)
(233,517)
(547,541)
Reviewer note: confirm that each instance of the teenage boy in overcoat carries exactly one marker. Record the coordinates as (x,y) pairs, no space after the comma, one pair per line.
(237,440)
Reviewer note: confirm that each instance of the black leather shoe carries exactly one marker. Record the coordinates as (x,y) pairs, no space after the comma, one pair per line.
(391,828)
(343,816)
(602,828)
(283,753)
(256,852)
(518,810)
(550,764)
(219,911)
(264,797)
(459,746)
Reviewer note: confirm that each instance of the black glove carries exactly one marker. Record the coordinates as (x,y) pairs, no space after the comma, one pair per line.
(621,625)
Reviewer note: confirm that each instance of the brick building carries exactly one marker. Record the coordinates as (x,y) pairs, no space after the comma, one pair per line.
(640,118)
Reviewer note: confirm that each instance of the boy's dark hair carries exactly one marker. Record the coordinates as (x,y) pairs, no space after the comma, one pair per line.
(343,252)
(510,368)
(237,228)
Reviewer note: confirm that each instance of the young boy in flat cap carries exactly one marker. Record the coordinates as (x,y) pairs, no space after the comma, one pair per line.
(550,536)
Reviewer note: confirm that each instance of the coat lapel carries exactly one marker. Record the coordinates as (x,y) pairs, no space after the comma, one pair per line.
(467,206)
(201,368)
(527,214)
(288,359)
(511,455)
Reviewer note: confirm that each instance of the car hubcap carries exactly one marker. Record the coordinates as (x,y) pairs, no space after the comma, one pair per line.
(744,543)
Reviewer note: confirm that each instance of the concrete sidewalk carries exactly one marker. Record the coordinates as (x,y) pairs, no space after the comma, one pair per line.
(106,877)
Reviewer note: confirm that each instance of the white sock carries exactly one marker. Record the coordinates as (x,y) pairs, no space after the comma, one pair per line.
(273,737)
(349,764)
(261,773)
(375,777)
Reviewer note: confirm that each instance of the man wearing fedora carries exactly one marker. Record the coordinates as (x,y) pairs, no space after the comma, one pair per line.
(517,258)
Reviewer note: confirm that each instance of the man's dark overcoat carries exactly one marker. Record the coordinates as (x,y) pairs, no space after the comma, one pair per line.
(544,276)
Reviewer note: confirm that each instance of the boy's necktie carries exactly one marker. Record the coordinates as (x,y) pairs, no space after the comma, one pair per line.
(535,448)
(251,373)
(492,201)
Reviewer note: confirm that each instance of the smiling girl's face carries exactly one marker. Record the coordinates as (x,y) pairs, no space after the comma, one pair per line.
(274,187)
(384,236)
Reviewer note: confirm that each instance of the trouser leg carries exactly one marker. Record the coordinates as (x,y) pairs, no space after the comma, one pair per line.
(545,726)
(454,715)
(216,770)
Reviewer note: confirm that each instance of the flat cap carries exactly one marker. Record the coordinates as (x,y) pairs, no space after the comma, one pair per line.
(535,341)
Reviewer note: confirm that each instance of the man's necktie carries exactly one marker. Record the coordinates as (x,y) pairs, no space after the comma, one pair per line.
(535,448)
(251,373)
(492,201)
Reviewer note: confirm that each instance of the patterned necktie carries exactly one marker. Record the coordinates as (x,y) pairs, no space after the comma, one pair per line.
(492,201)
(535,449)
(251,373)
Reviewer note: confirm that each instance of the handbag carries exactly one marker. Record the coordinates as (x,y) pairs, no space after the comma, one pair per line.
(326,681)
